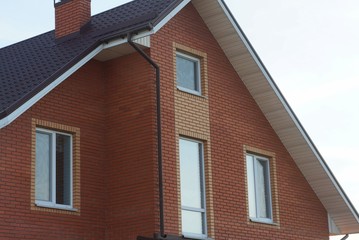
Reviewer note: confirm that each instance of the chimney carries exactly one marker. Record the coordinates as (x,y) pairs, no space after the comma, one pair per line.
(70,16)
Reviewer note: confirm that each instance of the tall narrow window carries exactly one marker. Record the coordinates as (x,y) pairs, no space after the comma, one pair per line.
(192,189)
(188,73)
(259,189)
(53,177)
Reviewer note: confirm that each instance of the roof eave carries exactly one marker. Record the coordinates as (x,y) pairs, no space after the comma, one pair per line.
(8,115)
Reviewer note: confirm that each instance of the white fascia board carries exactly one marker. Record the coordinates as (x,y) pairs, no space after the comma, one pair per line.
(170,15)
(287,108)
(120,41)
(9,119)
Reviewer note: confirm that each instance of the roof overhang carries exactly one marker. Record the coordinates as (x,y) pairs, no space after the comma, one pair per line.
(103,51)
(253,73)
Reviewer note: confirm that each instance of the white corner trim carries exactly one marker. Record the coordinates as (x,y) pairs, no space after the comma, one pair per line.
(287,108)
(9,119)
(170,15)
(333,229)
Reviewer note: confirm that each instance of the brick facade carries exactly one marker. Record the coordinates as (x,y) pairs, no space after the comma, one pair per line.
(112,105)
(235,121)
(70,104)
(130,148)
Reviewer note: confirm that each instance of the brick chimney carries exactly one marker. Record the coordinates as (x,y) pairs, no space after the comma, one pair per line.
(70,16)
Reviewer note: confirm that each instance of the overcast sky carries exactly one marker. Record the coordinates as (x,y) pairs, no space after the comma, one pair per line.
(310,47)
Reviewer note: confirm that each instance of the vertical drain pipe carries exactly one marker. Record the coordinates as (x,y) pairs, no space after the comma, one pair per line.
(159,130)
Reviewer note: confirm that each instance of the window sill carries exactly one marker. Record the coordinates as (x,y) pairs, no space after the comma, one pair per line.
(195,93)
(55,206)
(195,237)
(263,221)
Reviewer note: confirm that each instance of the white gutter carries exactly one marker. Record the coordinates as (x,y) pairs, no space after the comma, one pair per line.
(120,41)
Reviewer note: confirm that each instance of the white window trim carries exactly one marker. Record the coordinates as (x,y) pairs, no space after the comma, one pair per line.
(203,192)
(45,204)
(198,76)
(268,220)
(52,203)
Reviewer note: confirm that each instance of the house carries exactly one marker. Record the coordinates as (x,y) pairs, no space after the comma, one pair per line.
(155,120)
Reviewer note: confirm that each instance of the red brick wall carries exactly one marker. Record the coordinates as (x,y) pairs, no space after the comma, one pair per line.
(235,121)
(130,147)
(77,102)
(112,104)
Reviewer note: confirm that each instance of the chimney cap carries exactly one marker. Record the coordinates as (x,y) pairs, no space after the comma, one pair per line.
(59,2)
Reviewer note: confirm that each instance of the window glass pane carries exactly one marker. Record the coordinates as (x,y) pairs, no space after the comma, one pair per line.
(187,73)
(63,169)
(192,222)
(262,189)
(190,170)
(251,187)
(43,166)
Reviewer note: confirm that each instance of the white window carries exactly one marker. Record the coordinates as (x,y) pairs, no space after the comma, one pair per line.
(53,177)
(188,73)
(192,189)
(259,189)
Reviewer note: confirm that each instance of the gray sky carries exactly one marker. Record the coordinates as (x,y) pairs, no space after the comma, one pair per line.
(310,47)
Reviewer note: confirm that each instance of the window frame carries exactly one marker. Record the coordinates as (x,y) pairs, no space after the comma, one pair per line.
(202,210)
(269,201)
(198,82)
(52,203)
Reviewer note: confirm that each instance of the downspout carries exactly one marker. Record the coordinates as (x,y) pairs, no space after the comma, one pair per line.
(345,237)
(159,131)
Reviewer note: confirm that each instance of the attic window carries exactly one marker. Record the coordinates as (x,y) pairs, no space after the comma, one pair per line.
(188,73)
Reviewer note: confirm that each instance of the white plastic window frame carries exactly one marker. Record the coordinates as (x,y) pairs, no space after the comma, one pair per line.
(52,203)
(203,195)
(256,158)
(197,79)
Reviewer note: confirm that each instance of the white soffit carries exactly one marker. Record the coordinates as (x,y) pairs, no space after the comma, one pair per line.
(120,47)
(254,75)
